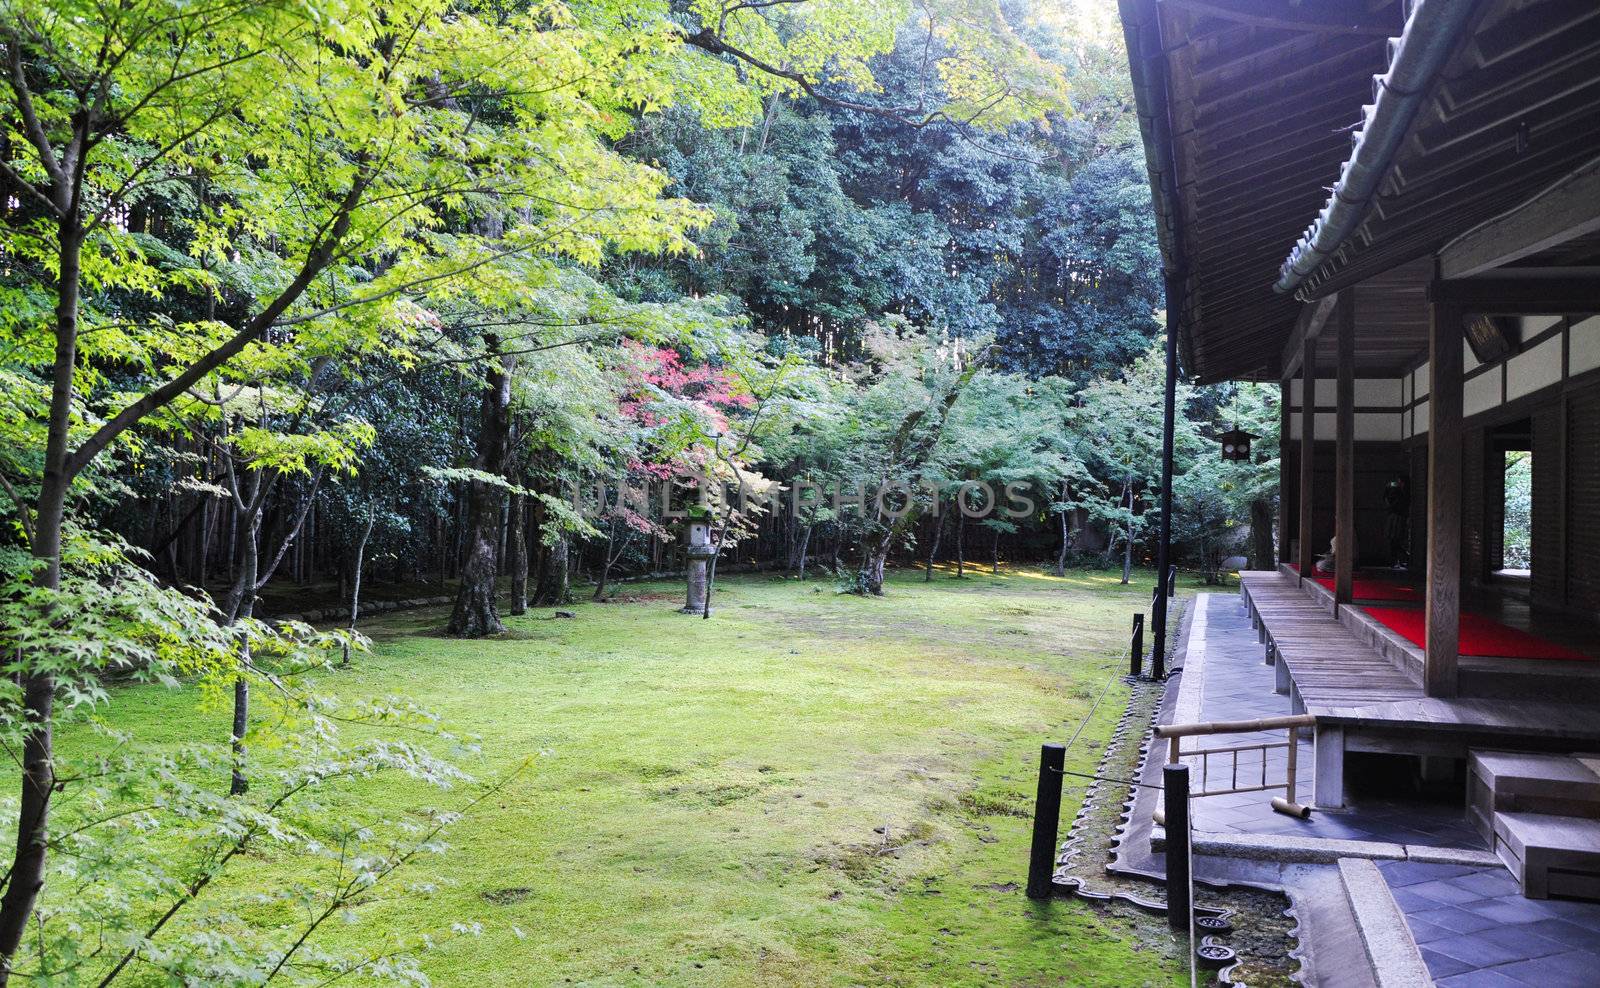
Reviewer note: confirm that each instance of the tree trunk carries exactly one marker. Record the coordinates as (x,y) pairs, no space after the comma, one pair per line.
(554,576)
(355,591)
(605,569)
(1127,548)
(872,565)
(961,545)
(996,567)
(933,550)
(517,545)
(475,614)
(293,536)
(1127,556)
(1066,534)
(241,605)
(798,563)
(1261,534)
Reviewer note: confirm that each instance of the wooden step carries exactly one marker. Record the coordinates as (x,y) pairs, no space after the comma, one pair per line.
(1550,855)
(1529,782)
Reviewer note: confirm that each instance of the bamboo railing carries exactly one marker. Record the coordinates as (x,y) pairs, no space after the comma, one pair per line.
(1286,804)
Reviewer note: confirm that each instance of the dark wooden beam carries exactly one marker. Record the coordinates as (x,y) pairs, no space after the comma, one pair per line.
(1345,455)
(1570,209)
(1319,17)
(1307,328)
(1442,644)
(1524,293)
(1308,454)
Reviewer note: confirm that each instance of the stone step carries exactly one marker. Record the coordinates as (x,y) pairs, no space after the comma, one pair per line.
(1385,938)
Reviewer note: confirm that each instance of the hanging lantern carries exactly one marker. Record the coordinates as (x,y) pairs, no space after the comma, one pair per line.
(1236,443)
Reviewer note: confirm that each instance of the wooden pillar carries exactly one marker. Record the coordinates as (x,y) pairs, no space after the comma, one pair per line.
(1345,456)
(1284,486)
(1445,341)
(1327,749)
(1308,454)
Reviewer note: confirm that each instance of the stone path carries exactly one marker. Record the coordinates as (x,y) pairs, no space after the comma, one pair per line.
(1226,677)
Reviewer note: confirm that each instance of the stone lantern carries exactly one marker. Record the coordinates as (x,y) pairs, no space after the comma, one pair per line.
(700,551)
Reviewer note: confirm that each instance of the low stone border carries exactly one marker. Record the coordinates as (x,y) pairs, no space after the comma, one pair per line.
(376,607)
(1269,943)
(1323,850)
(1395,958)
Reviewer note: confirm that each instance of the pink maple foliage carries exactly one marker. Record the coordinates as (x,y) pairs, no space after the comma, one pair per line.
(653,372)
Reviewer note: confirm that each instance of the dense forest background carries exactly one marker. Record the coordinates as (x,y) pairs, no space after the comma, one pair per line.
(850,268)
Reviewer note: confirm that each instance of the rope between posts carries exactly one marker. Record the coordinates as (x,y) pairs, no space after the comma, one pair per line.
(1103,778)
(1194,971)
(1090,715)
(1074,740)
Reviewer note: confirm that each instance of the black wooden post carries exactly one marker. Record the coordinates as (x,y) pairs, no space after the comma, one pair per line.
(1175,783)
(1158,614)
(1158,625)
(1046,820)
(1136,653)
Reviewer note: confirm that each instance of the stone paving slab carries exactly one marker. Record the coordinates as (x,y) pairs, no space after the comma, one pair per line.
(1474,928)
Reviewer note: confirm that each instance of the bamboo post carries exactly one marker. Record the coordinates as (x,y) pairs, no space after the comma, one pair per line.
(1294,748)
(1287,804)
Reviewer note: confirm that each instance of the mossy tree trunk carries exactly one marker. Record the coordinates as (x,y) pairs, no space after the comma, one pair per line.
(517,548)
(475,614)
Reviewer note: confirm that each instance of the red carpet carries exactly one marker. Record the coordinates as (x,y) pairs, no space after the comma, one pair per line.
(1376,589)
(1372,589)
(1479,635)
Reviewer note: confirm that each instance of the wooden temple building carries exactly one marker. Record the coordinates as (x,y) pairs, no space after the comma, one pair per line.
(1392,209)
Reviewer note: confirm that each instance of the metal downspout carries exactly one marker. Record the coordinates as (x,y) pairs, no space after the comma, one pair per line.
(1152,96)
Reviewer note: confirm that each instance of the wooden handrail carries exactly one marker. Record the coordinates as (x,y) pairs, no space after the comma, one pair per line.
(1235,726)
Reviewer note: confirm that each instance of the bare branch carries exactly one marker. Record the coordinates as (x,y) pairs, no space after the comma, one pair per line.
(708,40)
(31,125)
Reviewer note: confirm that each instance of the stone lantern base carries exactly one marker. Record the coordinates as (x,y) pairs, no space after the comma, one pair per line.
(699,579)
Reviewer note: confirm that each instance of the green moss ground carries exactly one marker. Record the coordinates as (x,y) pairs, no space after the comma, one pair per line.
(808,789)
